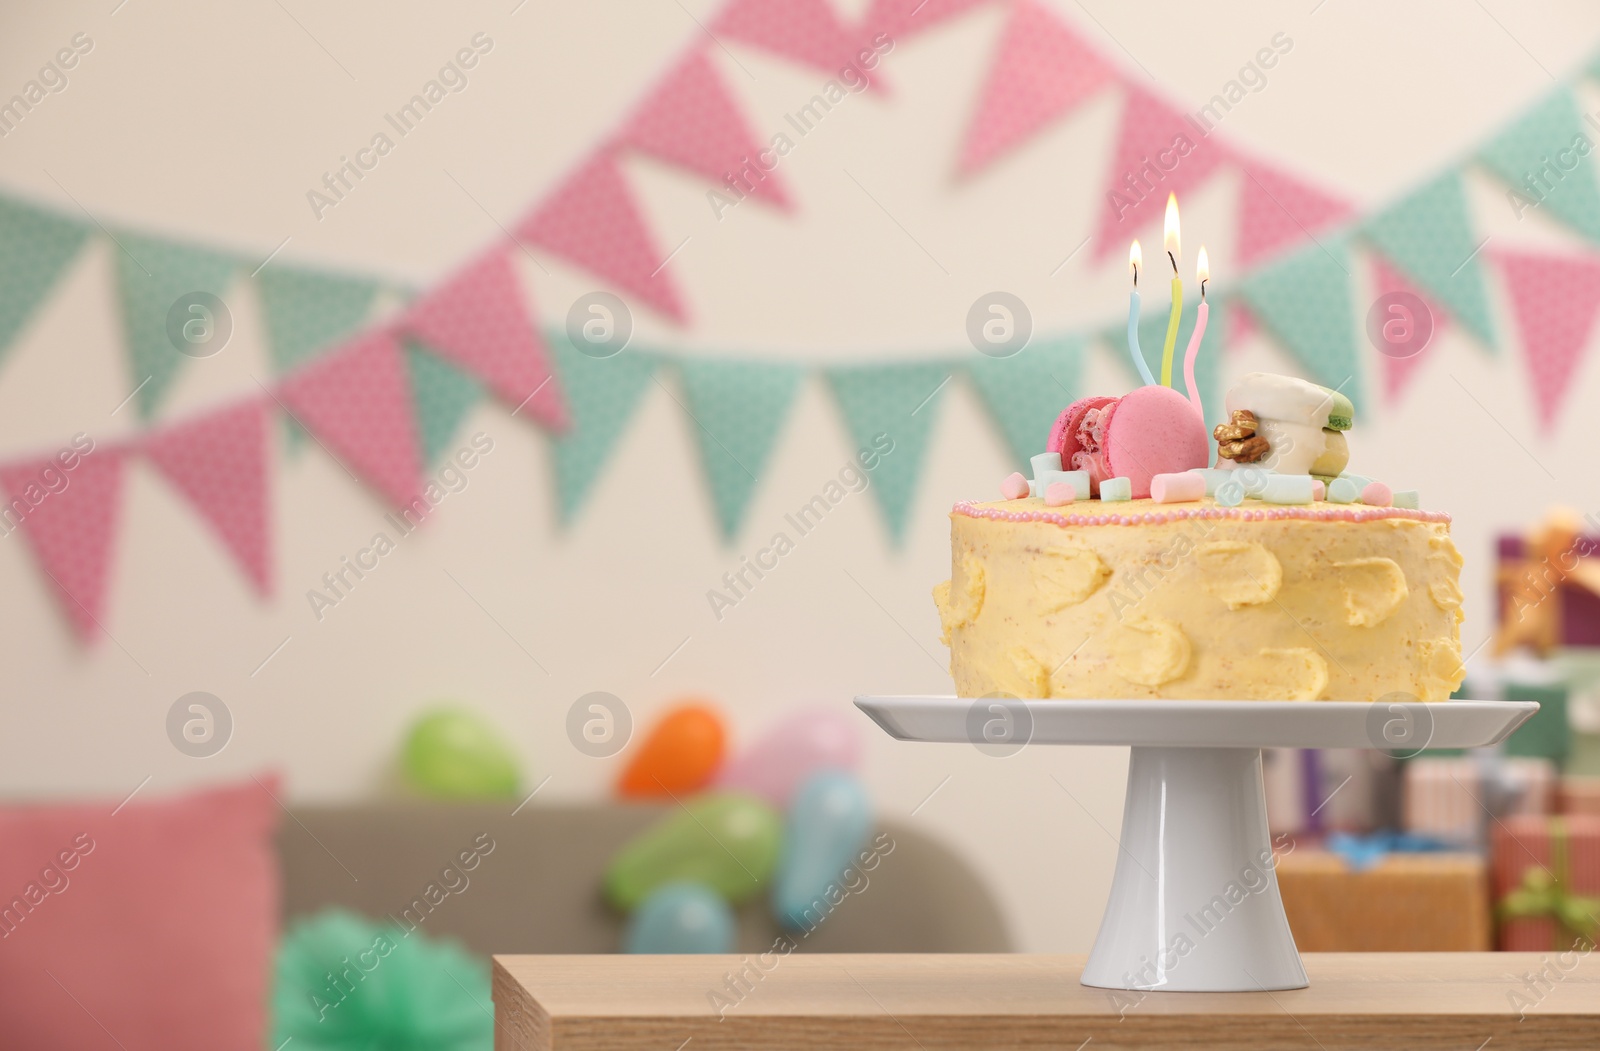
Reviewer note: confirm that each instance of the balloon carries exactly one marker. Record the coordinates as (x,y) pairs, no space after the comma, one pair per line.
(829,820)
(681,918)
(810,740)
(726,840)
(680,755)
(454,753)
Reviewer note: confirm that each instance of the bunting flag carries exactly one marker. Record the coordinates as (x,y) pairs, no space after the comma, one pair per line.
(1278,211)
(1546,159)
(1241,324)
(1159,151)
(441,396)
(306,311)
(897,401)
(219,462)
(804,31)
(1397,372)
(591,220)
(1025,392)
(601,395)
(1555,299)
(357,401)
(738,408)
(1428,235)
(152,274)
(70,529)
(480,319)
(691,121)
(1041,72)
(1306,301)
(902,19)
(35,247)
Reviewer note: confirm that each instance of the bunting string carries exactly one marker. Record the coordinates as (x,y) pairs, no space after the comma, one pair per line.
(385,395)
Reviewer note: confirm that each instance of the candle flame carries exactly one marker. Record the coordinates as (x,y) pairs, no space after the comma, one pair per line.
(1169,238)
(1135,261)
(1202,270)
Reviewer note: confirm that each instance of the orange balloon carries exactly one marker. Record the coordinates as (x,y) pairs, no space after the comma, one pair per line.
(680,755)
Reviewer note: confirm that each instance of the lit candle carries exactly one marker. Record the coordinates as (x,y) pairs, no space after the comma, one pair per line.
(1174,253)
(1202,274)
(1135,260)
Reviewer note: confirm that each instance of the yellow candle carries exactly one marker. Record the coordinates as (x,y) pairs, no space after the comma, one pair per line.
(1174,253)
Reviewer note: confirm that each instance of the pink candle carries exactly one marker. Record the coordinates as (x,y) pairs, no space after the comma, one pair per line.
(1203,271)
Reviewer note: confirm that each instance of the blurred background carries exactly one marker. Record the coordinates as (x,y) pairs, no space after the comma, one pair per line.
(566,150)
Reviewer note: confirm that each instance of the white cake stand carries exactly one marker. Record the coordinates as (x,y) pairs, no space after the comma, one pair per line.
(1194,903)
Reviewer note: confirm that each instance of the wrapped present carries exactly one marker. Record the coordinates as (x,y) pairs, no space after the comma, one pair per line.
(1579,795)
(1546,882)
(1457,799)
(1549,584)
(1548,734)
(1402,902)
(1351,790)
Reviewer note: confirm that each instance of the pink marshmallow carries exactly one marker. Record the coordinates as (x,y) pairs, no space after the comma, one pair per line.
(1015,487)
(1376,494)
(1180,488)
(1058,493)
(1319,491)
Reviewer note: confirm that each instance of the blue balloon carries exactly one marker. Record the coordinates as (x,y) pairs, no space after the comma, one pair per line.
(681,918)
(829,820)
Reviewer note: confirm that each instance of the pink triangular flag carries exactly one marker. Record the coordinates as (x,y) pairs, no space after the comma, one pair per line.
(807,31)
(1555,299)
(70,518)
(1041,72)
(357,401)
(690,120)
(219,461)
(1397,371)
(1159,151)
(591,219)
(901,19)
(1277,211)
(479,318)
(1242,324)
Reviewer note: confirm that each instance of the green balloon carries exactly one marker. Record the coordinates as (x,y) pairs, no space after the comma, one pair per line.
(725,840)
(453,753)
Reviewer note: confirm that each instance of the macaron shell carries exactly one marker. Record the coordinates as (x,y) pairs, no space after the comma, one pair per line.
(1154,431)
(1064,435)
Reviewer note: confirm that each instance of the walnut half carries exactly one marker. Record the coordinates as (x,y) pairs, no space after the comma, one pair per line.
(1237,439)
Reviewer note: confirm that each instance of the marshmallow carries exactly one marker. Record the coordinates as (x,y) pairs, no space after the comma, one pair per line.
(1343,490)
(1058,493)
(1178,488)
(1376,494)
(1116,489)
(1015,487)
(1289,489)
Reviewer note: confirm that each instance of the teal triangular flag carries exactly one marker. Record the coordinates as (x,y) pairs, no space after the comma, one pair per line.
(884,404)
(306,311)
(1305,300)
(35,246)
(601,396)
(738,408)
(442,395)
(1536,156)
(152,275)
(1027,391)
(1428,235)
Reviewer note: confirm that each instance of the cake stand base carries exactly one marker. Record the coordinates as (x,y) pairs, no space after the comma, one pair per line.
(1194,903)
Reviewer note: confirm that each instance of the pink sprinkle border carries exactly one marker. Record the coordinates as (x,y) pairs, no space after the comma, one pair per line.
(1337,513)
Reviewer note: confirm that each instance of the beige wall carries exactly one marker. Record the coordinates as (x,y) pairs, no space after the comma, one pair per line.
(213,120)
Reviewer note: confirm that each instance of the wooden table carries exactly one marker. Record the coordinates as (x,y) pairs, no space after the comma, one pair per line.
(816,1002)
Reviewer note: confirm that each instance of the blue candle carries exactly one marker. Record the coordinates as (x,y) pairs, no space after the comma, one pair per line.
(1133,320)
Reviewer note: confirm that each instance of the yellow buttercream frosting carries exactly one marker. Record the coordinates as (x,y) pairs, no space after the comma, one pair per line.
(1210,604)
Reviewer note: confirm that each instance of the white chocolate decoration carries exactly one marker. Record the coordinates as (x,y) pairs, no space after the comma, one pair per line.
(1292,415)
(1373,589)
(1239,572)
(1149,651)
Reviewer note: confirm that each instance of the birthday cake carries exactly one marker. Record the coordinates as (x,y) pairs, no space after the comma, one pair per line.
(1127,568)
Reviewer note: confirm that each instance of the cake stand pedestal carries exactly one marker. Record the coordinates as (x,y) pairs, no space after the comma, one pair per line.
(1194,904)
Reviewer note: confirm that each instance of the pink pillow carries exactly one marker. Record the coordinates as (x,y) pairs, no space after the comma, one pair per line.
(149,928)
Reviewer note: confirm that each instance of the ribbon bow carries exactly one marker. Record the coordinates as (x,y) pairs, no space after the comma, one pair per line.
(1544,892)
(1361,853)
(1555,556)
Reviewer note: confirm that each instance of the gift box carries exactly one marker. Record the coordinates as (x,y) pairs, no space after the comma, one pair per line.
(1456,799)
(1579,795)
(1434,902)
(1545,875)
(1549,586)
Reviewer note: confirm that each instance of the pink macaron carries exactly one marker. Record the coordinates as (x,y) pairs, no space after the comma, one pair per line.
(1148,431)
